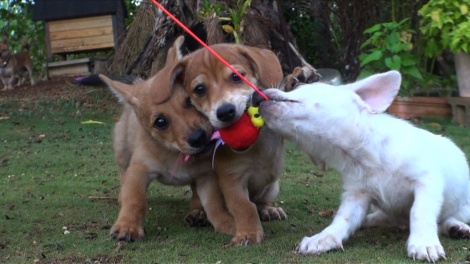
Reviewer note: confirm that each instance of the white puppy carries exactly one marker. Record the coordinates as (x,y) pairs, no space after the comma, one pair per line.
(405,175)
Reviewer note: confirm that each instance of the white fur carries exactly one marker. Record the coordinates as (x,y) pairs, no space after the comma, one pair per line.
(403,174)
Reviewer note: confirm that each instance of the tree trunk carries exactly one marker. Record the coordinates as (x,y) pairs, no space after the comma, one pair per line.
(143,51)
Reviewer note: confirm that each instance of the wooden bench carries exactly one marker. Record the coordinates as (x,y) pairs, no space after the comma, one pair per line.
(76,67)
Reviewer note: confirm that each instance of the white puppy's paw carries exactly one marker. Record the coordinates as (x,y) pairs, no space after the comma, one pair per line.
(425,249)
(319,243)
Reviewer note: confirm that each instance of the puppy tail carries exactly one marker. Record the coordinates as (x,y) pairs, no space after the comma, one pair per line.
(95,80)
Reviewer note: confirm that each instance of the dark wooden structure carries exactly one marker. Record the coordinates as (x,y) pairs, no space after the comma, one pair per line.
(79,26)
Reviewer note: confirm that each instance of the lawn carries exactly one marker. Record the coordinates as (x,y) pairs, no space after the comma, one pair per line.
(59,183)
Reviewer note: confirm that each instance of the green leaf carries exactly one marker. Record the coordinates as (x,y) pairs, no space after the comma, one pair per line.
(404,21)
(375,55)
(409,59)
(372,29)
(465,47)
(364,74)
(372,40)
(412,71)
(392,41)
(92,122)
(228,29)
(405,84)
(454,44)
(393,63)
(432,48)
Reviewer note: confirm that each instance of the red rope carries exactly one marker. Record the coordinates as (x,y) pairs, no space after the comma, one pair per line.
(179,23)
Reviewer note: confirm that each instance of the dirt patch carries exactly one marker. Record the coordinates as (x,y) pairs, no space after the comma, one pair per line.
(57,87)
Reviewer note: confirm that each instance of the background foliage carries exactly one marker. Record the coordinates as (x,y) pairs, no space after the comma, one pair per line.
(329,34)
(16,23)
(389,47)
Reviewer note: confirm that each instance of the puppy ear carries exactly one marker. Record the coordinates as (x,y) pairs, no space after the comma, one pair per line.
(124,92)
(163,80)
(378,91)
(177,74)
(264,64)
(175,53)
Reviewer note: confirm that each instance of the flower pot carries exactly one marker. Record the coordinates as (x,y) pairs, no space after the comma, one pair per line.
(417,106)
(460,110)
(462,66)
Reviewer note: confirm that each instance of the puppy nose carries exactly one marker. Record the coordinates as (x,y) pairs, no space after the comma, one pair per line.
(226,112)
(198,138)
(256,99)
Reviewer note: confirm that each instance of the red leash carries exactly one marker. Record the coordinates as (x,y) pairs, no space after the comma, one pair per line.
(179,23)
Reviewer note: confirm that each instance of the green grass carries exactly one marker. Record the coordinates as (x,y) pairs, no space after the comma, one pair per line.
(56,172)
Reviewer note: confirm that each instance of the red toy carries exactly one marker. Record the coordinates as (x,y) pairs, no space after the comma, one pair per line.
(243,133)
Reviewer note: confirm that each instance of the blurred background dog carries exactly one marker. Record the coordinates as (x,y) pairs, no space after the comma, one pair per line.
(12,65)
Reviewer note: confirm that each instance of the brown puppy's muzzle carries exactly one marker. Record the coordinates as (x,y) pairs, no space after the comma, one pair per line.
(226,113)
(198,138)
(200,142)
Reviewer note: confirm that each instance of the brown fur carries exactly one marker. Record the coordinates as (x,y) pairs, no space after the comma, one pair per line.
(249,180)
(12,65)
(4,48)
(144,152)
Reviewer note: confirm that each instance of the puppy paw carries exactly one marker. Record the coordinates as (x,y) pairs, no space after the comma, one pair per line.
(247,238)
(128,231)
(459,231)
(424,250)
(319,243)
(271,213)
(301,75)
(196,218)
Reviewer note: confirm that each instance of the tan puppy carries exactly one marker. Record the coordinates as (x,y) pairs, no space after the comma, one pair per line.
(156,129)
(222,96)
(12,65)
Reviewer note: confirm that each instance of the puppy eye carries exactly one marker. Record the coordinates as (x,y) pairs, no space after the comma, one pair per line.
(160,123)
(199,90)
(236,78)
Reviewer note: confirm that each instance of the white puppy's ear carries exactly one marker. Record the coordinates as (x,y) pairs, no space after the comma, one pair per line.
(378,91)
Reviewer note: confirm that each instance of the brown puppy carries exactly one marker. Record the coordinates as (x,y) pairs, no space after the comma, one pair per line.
(12,65)
(156,129)
(4,48)
(249,180)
